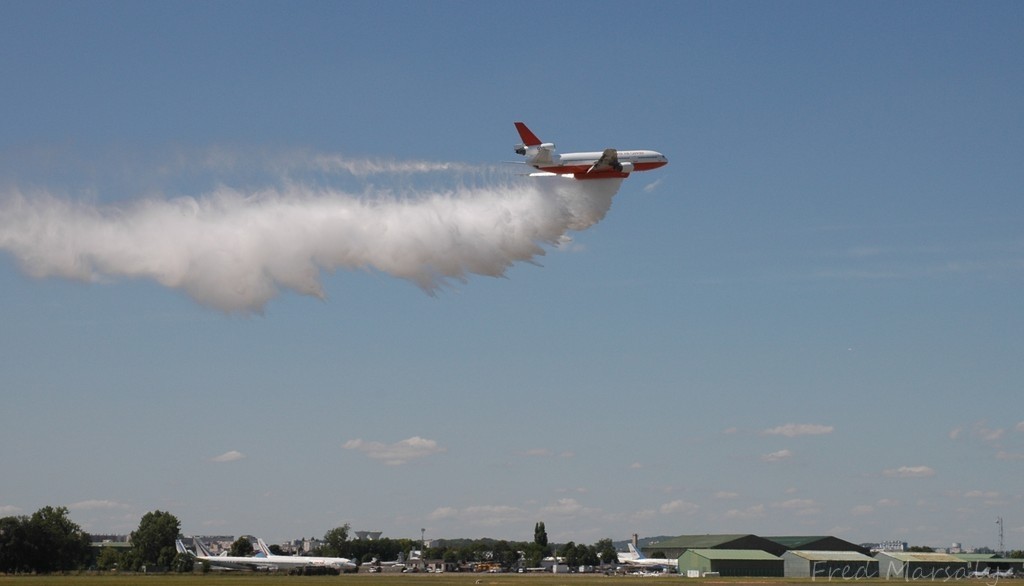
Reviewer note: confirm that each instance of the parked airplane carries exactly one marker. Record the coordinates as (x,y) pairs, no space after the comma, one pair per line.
(295,561)
(607,164)
(1007,573)
(398,563)
(635,558)
(223,561)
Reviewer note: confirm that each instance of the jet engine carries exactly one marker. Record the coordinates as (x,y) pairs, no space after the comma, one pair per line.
(625,167)
(522,149)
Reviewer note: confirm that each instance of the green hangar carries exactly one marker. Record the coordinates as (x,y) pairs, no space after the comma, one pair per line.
(830,565)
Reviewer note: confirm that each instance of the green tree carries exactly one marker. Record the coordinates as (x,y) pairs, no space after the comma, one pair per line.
(534,554)
(48,541)
(14,545)
(568,553)
(183,563)
(108,559)
(540,535)
(606,551)
(58,543)
(335,542)
(241,547)
(586,555)
(153,541)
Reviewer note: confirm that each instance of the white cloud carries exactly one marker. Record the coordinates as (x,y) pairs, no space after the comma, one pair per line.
(747,513)
(566,506)
(1019,426)
(988,434)
(981,494)
(1004,455)
(862,510)
(796,504)
(9,510)
(650,187)
(546,453)
(397,453)
(443,513)
(909,472)
(799,506)
(777,456)
(797,429)
(678,506)
(230,456)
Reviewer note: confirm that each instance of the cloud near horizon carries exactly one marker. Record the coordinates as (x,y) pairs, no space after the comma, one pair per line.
(798,429)
(909,472)
(398,453)
(777,456)
(229,456)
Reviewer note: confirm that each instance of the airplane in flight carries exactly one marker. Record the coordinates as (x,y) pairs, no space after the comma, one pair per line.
(635,558)
(606,164)
(294,561)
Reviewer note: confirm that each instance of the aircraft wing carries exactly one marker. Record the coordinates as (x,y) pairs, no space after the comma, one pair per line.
(609,161)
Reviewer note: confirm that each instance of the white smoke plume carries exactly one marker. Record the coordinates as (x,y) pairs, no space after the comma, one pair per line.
(234,250)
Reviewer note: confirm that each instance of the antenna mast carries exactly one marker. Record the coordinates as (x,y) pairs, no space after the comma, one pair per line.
(999,521)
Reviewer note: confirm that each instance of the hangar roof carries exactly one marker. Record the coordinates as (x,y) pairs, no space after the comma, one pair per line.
(818,542)
(919,556)
(733,554)
(698,541)
(676,545)
(847,556)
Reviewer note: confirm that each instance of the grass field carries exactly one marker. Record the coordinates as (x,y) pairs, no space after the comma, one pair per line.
(449,579)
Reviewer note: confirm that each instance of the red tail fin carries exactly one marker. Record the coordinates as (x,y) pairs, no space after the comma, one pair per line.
(529,138)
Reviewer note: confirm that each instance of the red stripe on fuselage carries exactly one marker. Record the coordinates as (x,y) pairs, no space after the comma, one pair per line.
(584,168)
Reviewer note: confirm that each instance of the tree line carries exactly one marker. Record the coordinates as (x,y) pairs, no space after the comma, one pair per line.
(507,554)
(48,541)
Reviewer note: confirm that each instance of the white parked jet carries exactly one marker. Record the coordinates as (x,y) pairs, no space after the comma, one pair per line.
(296,561)
(264,560)
(223,561)
(606,164)
(635,558)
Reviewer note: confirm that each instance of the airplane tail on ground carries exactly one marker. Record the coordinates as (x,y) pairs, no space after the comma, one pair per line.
(201,549)
(635,552)
(262,546)
(180,546)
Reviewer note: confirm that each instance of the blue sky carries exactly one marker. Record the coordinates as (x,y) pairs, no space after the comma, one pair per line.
(809,322)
